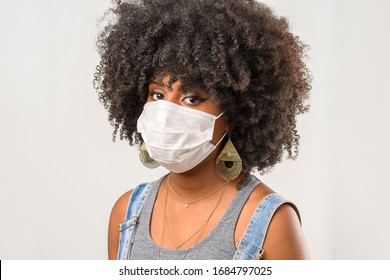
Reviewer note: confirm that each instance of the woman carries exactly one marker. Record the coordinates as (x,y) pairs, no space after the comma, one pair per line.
(209,90)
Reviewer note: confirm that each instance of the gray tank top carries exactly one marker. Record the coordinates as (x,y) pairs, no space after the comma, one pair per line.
(219,244)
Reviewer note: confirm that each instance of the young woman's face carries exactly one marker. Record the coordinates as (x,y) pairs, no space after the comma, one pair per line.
(194,99)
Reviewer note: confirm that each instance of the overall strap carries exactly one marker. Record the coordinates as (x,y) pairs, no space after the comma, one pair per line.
(250,246)
(127,228)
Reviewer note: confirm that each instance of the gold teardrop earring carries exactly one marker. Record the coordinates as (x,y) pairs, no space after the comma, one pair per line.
(145,158)
(229,163)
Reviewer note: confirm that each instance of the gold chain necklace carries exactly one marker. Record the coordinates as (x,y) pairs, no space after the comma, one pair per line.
(165,221)
(188,203)
(162,230)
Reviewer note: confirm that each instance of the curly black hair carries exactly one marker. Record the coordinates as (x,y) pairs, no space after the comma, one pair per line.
(238,51)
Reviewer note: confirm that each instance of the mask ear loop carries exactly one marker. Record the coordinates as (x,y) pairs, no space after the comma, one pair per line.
(220,140)
(223,136)
(217,117)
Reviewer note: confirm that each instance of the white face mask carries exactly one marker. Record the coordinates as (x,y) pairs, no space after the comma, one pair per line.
(177,137)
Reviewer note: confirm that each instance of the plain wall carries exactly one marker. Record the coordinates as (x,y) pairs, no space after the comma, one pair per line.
(60,173)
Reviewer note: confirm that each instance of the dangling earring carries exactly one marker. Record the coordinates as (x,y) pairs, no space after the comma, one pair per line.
(229,163)
(146,159)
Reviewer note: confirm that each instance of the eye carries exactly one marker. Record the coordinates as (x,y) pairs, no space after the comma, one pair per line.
(156,95)
(193,100)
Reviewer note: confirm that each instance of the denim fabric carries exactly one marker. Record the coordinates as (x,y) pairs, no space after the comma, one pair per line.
(250,245)
(128,227)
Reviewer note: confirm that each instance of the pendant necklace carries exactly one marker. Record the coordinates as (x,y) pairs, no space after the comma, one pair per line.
(187,204)
(203,226)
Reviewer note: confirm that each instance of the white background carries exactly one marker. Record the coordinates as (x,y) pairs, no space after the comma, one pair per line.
(60,173)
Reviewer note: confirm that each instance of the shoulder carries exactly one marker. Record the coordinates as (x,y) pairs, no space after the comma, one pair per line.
(249,208)
(284,238)
(118,214)
(120,207)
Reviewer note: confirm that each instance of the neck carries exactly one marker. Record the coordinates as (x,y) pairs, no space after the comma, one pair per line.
(195,182)
(202,179)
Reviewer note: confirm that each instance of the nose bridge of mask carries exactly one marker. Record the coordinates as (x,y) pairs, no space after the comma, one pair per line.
(168,117)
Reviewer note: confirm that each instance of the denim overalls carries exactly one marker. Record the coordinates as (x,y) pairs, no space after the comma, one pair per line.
(249,246)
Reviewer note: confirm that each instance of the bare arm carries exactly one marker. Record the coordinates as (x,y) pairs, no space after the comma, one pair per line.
(118,214)
(285,239)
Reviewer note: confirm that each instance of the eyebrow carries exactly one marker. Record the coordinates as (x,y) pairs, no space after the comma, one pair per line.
(189,91)
(161,84)
(158,83)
